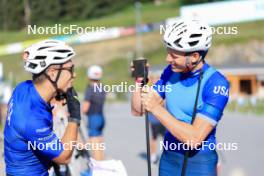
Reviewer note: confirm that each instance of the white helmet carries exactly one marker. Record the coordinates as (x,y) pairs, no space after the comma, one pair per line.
(95,72)
(188,35)
(45,53)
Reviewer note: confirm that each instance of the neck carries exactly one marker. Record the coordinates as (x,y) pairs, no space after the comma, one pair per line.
(45,90)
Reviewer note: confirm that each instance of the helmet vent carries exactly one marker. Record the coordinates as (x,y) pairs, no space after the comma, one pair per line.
(40,57)
(195,35)
(176,42)
(44,47)
(193,43)
(168,44)
(178,25)
(58,58)
(70,54)
(180,33)
(61,51)
(175,28)
(32,65)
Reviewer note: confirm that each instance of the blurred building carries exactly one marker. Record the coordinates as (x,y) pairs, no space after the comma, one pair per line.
(245,80)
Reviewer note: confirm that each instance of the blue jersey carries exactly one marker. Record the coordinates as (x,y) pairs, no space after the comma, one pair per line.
(29,141)
(179,90)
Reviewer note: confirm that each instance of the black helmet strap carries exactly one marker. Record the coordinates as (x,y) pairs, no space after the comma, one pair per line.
(60,95)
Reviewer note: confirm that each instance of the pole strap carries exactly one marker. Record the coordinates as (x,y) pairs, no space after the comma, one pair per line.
(187,153)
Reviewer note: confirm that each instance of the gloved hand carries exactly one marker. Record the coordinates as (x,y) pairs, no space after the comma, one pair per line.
(74,107)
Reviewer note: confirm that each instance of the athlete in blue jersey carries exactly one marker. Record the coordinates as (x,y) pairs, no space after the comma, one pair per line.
(187,42)
(30,144)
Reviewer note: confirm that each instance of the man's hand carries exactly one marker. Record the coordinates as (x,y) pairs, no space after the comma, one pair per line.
(74,106)
(150,99)
(139,80)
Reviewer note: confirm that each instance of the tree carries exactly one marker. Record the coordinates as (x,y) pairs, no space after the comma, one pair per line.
(44,11)
(11,14)
(27,12)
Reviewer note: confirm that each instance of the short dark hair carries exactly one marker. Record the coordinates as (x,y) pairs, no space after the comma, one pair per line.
(201,53)
(38,78)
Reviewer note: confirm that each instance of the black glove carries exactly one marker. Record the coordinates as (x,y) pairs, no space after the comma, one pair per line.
(74,106)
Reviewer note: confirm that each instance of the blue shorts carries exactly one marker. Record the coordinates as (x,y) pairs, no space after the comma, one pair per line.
(202,164)
(96,124)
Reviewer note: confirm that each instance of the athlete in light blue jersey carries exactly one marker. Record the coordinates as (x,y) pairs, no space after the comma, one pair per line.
(30,144)
(187,42)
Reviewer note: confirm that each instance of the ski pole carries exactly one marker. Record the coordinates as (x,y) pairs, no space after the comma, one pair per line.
(147,129)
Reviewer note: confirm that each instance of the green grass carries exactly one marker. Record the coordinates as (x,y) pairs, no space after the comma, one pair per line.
(247,107)
(246,31)
(117,71)
(125,17)
(13,68)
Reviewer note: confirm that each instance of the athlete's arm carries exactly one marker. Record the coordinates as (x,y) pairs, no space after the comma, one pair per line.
(68,140)
(41,138)
(70,135)
(207,115)
(87,99)
(86,106)
(191,134)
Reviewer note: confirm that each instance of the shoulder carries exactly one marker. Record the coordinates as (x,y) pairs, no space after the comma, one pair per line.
(217,80)
(21,91)
(216,90)
(24,85)
(22,95)
(20,99)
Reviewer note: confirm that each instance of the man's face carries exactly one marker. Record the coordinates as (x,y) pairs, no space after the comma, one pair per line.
(66,77)
(176,60)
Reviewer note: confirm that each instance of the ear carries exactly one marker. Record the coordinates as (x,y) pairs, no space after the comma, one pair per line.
(25,56)
(195,57)
(51,73)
